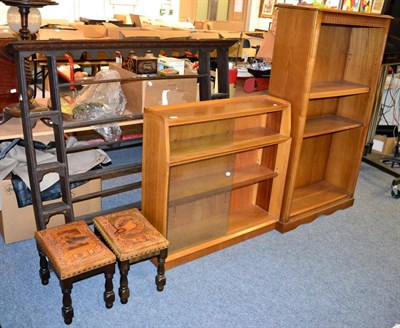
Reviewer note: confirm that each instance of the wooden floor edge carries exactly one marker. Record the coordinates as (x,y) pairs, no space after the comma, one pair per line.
(308,217)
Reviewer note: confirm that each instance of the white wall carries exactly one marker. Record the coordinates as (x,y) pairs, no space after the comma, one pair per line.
(66,9)
(104,9)
(3,14)
(255,21)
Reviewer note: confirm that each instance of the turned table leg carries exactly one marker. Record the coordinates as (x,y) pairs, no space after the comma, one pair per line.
(123,283)
(67,309)
(109,296)
(44,272)
(160,278)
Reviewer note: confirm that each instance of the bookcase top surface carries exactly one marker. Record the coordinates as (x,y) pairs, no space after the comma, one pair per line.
(330,11)
(214,110)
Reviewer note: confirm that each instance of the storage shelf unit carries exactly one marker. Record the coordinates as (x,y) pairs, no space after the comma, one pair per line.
(326,64)
(214,171)
(53,50)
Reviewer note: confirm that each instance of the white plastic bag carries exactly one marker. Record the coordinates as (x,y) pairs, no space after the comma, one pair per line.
(103,100)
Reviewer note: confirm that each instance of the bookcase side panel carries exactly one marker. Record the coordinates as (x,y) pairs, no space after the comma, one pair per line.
(155,171)
(294,56)
(278,184)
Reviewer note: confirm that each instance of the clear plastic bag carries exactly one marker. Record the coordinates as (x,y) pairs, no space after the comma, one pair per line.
(96,101)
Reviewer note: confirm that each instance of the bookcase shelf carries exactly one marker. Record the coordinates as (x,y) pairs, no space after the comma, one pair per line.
(328,124)
(247,140)
(331,102)
(326,89)
(214,172)
(315,195)
(194,188)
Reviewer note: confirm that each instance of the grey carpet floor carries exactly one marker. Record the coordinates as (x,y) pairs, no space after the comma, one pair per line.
(342,270)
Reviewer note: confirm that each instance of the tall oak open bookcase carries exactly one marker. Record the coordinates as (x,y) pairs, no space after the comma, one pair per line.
(326,64)
(214,171)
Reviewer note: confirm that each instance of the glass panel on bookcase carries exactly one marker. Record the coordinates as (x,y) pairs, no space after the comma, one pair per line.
(200,179)
(199,200)
(197,221)
(207,196)
(210,137)
(200,136)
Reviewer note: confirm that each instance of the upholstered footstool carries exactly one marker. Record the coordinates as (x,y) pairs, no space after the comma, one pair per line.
(74,252)
(132,238)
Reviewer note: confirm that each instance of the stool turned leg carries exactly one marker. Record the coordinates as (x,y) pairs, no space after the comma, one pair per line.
(44,272)
(123,290)
(109,296)
(67,309)
(160,278)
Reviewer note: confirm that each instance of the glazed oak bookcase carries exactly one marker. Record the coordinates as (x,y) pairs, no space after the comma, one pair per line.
(326,64)
(214,171)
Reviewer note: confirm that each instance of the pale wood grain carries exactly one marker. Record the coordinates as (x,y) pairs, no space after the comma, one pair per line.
(214,171)
(326,64)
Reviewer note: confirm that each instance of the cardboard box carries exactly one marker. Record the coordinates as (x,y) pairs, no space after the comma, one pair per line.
(18,224)
(384,145)
(236,26)
(7,33)
(116,32)
(201,25)
(142,94)
(170,34)
(92,31)
(58,34)
(199,35)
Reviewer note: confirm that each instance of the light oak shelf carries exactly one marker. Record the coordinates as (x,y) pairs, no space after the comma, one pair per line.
(255,218)
(222,182)
(316,126)
(209,112)
(215,172)
(249,139)
(331,100)
(313,196)
(257,221)
(328,89)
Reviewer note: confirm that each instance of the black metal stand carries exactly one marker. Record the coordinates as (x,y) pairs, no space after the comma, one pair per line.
(382,162)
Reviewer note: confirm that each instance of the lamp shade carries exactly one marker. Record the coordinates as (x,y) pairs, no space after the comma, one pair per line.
(14,19)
